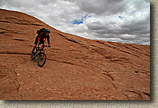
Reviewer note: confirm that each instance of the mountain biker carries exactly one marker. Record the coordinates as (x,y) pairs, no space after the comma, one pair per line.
(41,37)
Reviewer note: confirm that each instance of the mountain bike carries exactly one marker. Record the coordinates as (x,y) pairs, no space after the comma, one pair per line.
(41,60)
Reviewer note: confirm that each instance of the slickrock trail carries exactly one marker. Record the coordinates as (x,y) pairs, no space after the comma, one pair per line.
(76,68)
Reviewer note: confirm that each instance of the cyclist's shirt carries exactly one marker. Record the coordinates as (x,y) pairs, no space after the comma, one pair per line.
(41,38)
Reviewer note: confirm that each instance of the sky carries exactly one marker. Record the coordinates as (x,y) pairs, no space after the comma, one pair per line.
(125,21)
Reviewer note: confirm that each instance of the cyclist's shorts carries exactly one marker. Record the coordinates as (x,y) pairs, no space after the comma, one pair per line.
(40,42)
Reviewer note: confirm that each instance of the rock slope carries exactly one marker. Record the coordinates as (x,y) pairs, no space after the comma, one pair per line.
(76,68)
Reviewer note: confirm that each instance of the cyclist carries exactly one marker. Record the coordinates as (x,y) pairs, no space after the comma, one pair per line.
(40,38)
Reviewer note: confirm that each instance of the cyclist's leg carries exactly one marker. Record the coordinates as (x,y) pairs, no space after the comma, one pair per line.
(35,44)
(41,43)
(34,48)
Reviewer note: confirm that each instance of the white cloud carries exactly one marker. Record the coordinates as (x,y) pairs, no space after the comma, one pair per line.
(110,20)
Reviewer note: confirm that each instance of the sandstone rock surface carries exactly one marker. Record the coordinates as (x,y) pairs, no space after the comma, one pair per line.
(76,68)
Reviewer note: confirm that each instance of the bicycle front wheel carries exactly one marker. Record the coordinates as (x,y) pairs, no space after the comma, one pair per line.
(41,59)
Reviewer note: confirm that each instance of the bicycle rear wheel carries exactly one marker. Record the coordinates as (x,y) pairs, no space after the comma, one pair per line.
(41,59)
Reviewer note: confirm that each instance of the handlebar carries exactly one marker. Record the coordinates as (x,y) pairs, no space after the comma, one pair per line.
(47,46)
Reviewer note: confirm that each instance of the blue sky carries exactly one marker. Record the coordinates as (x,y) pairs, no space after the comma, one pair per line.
(77,21)
(80,20)
(121,17)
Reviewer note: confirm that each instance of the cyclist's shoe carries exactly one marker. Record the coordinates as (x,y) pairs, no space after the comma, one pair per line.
(48,46)
(32,55)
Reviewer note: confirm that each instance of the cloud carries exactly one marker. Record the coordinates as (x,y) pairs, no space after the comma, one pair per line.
(110,20)
(101,6)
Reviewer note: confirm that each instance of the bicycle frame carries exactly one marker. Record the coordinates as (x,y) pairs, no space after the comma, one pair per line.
(39,50)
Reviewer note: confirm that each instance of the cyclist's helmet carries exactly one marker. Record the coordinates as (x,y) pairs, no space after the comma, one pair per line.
(47,31)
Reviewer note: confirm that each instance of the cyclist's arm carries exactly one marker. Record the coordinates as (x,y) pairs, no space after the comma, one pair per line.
(48,39)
